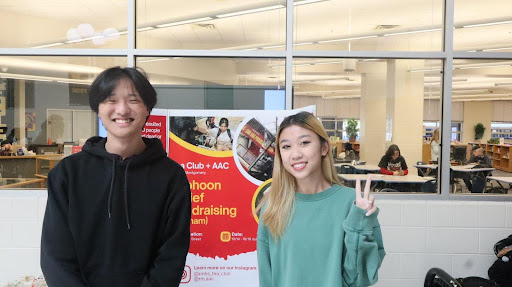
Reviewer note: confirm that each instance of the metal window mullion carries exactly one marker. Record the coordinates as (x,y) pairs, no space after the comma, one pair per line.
(446,100)
(131,37)
(289,54)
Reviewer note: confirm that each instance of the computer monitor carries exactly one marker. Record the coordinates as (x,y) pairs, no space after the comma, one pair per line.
(459,154)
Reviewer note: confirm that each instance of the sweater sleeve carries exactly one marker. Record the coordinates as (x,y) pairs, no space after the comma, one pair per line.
(59,262)
(264,264)
(385,171)
(167,268)
(363,249)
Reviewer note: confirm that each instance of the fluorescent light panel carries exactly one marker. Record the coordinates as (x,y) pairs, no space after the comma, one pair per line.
(485,66)
(184,22)
(348,39)
(487,24)
(297,3)
(412,32)
(48,45)
(250,11)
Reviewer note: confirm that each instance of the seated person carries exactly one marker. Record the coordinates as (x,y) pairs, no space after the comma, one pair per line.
(7,148)
(186,128)
(350,153)
(477,158)
(392,163)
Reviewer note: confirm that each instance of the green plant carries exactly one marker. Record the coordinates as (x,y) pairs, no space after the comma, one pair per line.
(479,131)
(352,128)
(494,141)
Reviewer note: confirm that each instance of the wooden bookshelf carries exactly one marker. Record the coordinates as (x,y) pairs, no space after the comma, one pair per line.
(500,155)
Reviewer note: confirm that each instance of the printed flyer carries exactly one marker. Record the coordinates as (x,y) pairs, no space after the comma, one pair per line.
(228,157)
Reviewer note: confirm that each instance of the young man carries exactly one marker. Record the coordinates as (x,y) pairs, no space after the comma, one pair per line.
(118,213)
(477,158)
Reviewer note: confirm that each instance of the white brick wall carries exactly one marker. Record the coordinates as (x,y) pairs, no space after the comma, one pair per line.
(456,236)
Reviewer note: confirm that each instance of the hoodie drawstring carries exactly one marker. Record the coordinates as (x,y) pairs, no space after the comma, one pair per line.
(125,188)
(111,188)
(125,191)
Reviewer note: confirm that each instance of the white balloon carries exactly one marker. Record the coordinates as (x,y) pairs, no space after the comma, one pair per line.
(111,34)
(85,30)
(72,34)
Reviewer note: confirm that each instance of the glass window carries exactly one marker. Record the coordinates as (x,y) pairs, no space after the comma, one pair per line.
(368,25)
(242,25)
(63,24)
(215,83)
(482,26)
(386,98)
(44,106)
(482,87)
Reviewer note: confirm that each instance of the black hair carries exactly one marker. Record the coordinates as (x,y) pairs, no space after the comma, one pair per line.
(348,146)
(224,121)
(107,81)
(391,150)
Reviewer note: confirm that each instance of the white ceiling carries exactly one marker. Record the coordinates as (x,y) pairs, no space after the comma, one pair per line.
(45,22)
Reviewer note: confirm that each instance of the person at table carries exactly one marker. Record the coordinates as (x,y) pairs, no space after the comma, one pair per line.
(435,146)
(393,163)
(477,158)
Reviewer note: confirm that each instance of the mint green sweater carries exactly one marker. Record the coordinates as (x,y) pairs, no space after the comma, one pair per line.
(329,242)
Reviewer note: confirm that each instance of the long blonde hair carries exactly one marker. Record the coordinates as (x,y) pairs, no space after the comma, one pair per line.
(281,196)
(435,136)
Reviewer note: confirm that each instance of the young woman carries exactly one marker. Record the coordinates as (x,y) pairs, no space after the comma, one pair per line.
(435,147)
(222,135)
(312,231)
(392,162)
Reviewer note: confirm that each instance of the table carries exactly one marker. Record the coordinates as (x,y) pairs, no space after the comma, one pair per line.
(363,168)
(400,183)
(504,179)
(21,182)
(474,173)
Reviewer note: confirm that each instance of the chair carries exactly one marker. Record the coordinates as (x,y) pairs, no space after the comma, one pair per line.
(437,277)
(348,169)
(420,170)
(429,186)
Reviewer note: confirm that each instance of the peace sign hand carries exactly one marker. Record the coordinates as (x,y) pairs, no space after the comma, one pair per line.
(367,201)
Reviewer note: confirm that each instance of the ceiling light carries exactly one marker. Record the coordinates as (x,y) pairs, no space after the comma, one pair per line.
(250,11)
(503,84)
(497,49)
(413,32)
(485,66)
(306,43)
(184,22)
(272,47)
(145,29)
(348,39)
(297,3)
(153,60)
(471,91)
(487,24)
(425,70)
(48,45)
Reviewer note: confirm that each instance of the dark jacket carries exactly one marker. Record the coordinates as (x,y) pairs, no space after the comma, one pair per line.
(483,161)
(114,222)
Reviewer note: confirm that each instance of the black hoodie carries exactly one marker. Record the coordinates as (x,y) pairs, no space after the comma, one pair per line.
(114,222)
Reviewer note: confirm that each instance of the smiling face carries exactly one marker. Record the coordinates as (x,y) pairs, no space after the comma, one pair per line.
(123,113)
(301,152)
(223,127)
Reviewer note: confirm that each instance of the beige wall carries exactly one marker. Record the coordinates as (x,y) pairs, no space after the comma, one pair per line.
(476,112)
(407,90)
(373,111)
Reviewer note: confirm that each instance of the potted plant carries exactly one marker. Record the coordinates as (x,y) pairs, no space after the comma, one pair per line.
(479,131)
(352,130)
